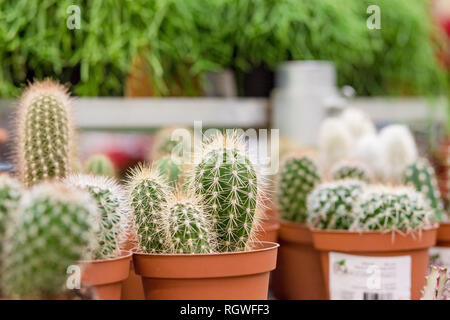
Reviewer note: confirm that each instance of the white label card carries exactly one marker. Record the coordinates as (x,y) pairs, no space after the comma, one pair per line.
(369,278)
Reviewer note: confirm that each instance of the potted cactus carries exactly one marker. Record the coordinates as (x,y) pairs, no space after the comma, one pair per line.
(198,243)
(373,240)
(110,265)
(298,273)
(100,164)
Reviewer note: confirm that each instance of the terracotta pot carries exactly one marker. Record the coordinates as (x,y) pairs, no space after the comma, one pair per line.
(106,276)
(413,247)
(443,235)
(298,275)
(269,231)
(132,288)
(220,276)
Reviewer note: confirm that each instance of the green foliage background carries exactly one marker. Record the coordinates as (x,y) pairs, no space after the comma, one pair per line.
(184,38)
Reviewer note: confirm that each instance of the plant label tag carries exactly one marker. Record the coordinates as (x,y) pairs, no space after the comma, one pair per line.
(440,256)
(369,278)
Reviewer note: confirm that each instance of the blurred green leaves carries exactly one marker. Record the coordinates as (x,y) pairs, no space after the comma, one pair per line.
(183,38)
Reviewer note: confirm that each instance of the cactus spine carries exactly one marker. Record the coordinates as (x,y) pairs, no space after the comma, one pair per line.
(112,208)
(99,164)
(228,180)
(45,133)
(392,209)
(148,193)
(351,170)
(55,228)
(422,177)
(298,177)
(331,205)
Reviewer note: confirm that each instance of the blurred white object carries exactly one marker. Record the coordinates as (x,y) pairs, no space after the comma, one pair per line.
(220,84)
(335,142)
(368,150)
(304,91)
(358,122)
(398,150)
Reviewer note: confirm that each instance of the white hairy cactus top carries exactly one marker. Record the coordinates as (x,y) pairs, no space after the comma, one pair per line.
(358,122)
(335,142)
(368,151)
(398,150)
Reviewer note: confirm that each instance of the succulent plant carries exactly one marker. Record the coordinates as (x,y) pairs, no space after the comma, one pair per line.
(99,164)
(45,146)
(331,205)
(229,183)
(335,142)
(297,178)
(54,229)
(358,122)
(148,193)
(398,150)
(189,227)
(346,169)
(166,143)
(113,210)
(169,169)
(436,284)
(392,209)
(422,177)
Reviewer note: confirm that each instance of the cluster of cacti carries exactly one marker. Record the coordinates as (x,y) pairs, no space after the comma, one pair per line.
(392,208)
(54,230)
(351,170)
(331,205)
(45,146)
(170,169)
(112,208)
(171,141)
(422,177)
(297,178)
(228,181)
(99,164)
(436,285)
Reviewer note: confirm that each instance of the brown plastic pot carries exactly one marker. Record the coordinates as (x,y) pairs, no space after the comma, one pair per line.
(298,275)
(378,244)
(443,235)
(219,276)
(106,276)
(269,231)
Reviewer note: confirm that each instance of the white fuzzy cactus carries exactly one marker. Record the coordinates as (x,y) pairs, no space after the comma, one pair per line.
(335,142)
(358,123)
(398,150)
(368,151)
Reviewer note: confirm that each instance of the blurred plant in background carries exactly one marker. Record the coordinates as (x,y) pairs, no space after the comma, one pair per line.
(173,42)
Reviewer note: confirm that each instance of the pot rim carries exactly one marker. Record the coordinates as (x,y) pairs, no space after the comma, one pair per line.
(375,232)
(271,246)
(124,254)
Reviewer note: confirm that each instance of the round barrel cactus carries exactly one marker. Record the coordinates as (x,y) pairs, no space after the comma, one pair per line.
(297,178)
(331,205)
(351,170)
(45,146)
(229,183)
(101,165)
(55,228)
(392,208)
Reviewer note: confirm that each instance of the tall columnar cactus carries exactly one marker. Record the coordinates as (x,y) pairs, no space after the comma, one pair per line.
(351,170)
(422,177)
(101,165)
(148,193)
(45,146)
(54,229)
(331,205)
(189,227)
(167,141)
(170,169)
(227,179)
(297,178)
(335,142)
(358,122)
(436,284)
(398,150)
(113,210)
(392,209)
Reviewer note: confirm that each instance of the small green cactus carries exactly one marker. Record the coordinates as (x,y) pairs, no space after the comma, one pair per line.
(298,177)
(436,284)
(101,165)
(113,211)
(169,169)
(422,177)
(148,193)
(331,205)
(54,229)
(392,209)
(189,227)
(351,170)
(228,181)
(45,146)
